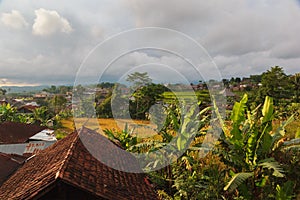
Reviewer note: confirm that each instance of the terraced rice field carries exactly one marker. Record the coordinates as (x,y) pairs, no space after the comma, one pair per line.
(141,128)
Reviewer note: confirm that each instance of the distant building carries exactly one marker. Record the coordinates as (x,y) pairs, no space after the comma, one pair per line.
(24,139)
(67,170)
(3,102)
(27,108)
(199,86)
(124,90)
(42,95)
(228,93)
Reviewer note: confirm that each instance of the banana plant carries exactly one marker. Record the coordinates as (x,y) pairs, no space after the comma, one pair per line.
(7,113)
(251,143)
(124,138)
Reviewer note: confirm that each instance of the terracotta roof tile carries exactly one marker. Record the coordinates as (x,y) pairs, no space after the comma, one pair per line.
(28,107)
(12,132)
(69,161)
(9,164)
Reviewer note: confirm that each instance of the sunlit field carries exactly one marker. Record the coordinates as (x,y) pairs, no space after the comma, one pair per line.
(141,128)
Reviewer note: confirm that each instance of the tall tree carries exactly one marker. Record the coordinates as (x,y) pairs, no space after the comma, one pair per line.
(296,86)
(144,98)
(238,80)
(58,103)
(255,78)
(139,79)
(276,84)
(2,91)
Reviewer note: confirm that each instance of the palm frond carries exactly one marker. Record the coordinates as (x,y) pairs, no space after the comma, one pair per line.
(237,180)
(278,171)
(285,192)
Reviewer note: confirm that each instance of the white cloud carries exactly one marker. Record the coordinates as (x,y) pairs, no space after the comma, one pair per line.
(48,22)
(14,20)
(6,82)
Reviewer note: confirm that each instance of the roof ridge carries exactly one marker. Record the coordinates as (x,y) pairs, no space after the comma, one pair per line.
(67,157)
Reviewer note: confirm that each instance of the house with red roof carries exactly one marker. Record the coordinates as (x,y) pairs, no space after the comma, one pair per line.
(68,170)
(20,138)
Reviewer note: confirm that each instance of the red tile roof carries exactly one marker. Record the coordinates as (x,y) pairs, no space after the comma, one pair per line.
(12,132)
(28,107)
(69,161)
(9,164)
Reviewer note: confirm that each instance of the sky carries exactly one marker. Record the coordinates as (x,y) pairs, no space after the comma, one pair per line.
(49,42)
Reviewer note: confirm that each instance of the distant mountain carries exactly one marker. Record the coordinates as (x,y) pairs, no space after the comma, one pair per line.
(24,89)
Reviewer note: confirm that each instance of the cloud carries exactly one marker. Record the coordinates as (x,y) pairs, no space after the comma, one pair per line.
(14,20)
(227,27)
(6,82)
(48,22)
(242,36)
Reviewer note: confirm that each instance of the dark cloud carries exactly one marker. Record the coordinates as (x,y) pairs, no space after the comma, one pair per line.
(46,41)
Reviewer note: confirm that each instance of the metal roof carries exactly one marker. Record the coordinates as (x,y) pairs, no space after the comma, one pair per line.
(44,135)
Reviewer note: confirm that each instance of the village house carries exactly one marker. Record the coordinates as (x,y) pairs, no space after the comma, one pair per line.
(42,95)
(27,108)
(67,170)
(24,139)
(3,101)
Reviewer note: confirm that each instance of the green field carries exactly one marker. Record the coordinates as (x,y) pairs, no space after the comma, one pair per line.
(187,96)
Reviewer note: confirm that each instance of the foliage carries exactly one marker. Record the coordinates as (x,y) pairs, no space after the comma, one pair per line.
(57,103)
(124,138)
(285,192)
(7,113)
(86,107)
(105,85)
(139,103)
(40,115)
(295,79)
(251,160)
(58,89)
(59,134)
(237,180)
(250,148)
(139,79)
(104,109)
(2,91)
(276,84)
(143,98)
